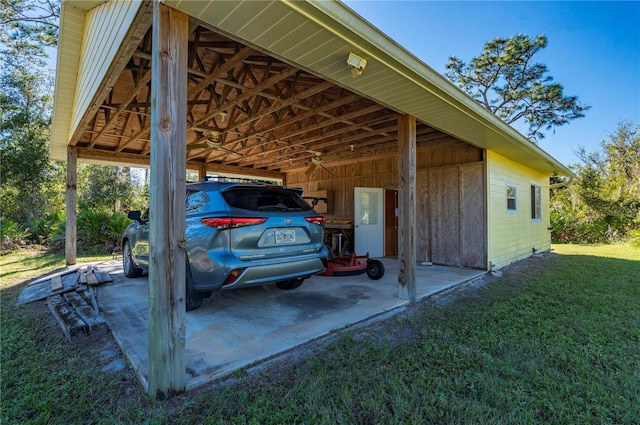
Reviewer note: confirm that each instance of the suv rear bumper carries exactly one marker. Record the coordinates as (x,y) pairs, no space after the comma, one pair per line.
(268,273)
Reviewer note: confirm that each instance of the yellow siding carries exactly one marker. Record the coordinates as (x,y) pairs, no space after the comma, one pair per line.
(105,28)
(513,236)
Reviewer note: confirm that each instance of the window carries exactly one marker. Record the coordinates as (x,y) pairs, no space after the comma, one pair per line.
(512,199)
(265,199)
(195,199)
(536,202)
(368,209)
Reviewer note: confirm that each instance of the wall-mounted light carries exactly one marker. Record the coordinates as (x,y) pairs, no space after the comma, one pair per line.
(352,146)
(356,63)
(223,116)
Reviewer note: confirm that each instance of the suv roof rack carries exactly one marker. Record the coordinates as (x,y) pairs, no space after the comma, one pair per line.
(227,179)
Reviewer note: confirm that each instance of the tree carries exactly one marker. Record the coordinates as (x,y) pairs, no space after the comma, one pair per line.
(25,106)
(30,23)
(603,202)
(505,80)
(30,182)
(106,188)
(610,178)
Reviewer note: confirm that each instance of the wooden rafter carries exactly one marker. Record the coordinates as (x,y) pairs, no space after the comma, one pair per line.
(267,114)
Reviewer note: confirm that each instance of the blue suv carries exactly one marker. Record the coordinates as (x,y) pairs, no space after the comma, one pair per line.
(238,235)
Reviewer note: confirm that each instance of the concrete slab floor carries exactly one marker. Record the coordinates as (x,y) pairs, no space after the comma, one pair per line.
(233,329)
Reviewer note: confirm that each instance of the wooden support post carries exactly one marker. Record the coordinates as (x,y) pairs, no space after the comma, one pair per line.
(70,195)
(407,207)
(167,259)
(202,171)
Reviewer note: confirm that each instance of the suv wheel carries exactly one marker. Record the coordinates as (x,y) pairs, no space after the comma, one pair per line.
(289,284)
(193,298)
(130,269)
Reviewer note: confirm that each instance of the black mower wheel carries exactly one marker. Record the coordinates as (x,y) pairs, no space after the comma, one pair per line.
(375,269)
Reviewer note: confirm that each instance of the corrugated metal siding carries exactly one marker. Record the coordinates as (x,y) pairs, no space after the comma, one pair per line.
(512,236)
(105,28)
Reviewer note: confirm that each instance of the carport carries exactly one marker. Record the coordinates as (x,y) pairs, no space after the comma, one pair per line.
(302,92)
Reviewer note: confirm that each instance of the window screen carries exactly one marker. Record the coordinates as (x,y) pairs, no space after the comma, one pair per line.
(512,200)
(536,202)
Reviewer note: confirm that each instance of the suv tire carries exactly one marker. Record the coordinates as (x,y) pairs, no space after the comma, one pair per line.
(130,269)
(193,298)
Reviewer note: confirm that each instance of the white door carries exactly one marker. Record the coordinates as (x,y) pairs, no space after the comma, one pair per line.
(369,221)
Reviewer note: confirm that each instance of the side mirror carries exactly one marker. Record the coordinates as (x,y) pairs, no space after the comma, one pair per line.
(134,215)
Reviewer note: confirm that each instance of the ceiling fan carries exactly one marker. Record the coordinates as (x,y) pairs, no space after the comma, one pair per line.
(315,161)
(212,142)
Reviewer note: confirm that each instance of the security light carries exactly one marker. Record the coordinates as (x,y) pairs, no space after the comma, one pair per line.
(356,63)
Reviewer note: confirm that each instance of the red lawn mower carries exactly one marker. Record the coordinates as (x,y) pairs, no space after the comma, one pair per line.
(350,265)
(346,265)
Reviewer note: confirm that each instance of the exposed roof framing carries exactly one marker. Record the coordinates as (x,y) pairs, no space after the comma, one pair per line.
(268,89)
(246,109)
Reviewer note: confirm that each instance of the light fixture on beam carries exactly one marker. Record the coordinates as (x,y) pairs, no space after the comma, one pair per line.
(352,146)
(356,63)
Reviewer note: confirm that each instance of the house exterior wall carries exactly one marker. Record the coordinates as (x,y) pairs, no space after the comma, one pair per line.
(105,28)
(513,235)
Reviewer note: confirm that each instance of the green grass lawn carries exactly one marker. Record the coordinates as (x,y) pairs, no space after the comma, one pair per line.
(556,340)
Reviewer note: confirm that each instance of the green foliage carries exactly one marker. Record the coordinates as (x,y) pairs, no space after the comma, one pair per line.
(32,199)
(42,229)
(505,80)
(28,180)
(105,194)
(12,235)
(106,188)
(603,202)
(25,102)
(634,238)
(30,25)
(100,231)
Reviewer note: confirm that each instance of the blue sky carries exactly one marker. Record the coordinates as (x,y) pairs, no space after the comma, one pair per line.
(593,51)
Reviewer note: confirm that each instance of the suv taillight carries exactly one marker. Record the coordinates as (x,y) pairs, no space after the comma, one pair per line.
(317,220)
(222,223)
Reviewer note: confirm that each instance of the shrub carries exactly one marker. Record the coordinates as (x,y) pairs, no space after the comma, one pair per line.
(100,231)
(43,229)
(11,235)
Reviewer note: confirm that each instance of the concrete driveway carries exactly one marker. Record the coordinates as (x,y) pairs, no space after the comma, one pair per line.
(234,329)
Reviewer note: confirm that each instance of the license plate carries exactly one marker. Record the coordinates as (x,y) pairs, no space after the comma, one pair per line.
(285,236)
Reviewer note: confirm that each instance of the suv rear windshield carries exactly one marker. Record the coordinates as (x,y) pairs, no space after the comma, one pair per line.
(265,199)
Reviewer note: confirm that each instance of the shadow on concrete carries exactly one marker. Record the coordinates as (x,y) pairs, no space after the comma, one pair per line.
(234,329)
